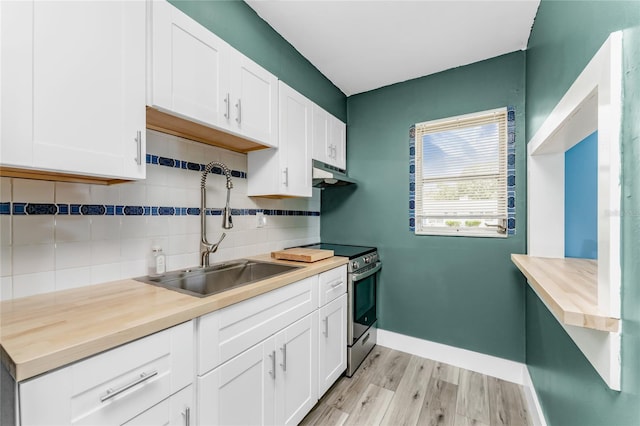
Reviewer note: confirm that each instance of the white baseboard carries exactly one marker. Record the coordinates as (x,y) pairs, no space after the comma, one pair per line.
(511,371)
(535,409)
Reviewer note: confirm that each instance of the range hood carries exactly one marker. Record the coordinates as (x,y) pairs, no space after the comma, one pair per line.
(327,176)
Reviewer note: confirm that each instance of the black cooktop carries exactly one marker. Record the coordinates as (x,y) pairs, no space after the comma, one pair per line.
(344,250)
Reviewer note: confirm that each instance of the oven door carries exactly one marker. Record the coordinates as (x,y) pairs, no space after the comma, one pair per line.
(362,302)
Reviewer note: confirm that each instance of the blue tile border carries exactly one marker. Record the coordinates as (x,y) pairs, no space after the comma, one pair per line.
(35,209)
(511,173)
(175,163)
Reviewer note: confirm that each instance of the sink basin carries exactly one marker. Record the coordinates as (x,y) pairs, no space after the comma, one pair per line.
(216,278)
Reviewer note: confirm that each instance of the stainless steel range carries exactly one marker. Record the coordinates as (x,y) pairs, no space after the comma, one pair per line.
(362,279)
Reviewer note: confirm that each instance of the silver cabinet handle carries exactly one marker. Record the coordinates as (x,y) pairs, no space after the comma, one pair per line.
(284,357)
(113,392)
(227,106)
(336,284)
(286,176)
(326,326)
(187,416)
(272,355)
(138,140)
(239,106)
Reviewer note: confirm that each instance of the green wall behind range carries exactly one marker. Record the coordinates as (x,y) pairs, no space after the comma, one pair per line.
(564,38)
(236,23)
(459,291)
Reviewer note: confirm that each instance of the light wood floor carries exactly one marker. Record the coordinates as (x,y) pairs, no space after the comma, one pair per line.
(396,388)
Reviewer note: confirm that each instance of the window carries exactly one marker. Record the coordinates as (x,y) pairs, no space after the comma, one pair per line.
(461,175)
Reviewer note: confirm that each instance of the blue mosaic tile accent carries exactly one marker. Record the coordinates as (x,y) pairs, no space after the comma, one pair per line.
(412,178)
(511,173)
(18,208)
(93,209)
(168,162)
(40,209)
(194,166)
(5,208)
(133,210)
(115,210)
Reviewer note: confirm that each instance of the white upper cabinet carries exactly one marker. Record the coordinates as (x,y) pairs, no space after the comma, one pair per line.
(329,138)
(337,143)
(253,101)
(73,87)
(189,67)
(286,171)
(195,75)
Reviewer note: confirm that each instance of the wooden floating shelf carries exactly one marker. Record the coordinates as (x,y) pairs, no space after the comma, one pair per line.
(56,176)
(569,287)
(177,126)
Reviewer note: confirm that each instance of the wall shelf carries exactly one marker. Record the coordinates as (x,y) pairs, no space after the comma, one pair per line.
(569,287)
(584,295)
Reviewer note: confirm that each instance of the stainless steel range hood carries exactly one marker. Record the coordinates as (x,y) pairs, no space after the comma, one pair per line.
(327,176)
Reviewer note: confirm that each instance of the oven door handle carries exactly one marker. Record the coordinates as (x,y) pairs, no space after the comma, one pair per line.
(363,275)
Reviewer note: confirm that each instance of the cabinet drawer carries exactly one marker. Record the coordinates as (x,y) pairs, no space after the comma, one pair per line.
(113,386)
(226,333)
(332,284)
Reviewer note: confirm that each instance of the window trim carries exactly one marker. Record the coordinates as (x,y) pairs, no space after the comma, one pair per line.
(510,178)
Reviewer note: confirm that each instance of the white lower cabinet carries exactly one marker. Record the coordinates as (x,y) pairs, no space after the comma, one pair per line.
(241,391)
(296,380)
(332,343)
(112,387)
(272,382)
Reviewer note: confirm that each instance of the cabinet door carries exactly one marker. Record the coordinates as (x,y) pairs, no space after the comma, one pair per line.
(77,102)
(254,100)
(337,142)
(177,410)
(320,134)
(189,68)
(295,142)
(332,361)
(240,391)
(297,386)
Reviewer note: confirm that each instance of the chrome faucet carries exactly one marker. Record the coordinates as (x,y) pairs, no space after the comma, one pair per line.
(207,248)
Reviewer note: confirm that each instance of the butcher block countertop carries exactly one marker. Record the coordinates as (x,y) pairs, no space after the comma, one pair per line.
(47,331)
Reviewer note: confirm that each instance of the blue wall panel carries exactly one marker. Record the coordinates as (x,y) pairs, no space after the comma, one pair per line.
(581,199)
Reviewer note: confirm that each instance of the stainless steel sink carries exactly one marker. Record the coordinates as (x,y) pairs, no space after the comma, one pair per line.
(216,278)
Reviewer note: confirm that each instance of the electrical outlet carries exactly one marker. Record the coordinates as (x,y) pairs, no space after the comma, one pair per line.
(262,219)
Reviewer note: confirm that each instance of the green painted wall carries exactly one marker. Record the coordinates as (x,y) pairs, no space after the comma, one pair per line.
(242,28)
(564,38)
(458,291)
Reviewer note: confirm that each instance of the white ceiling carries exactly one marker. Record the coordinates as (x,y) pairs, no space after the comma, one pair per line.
(362,45)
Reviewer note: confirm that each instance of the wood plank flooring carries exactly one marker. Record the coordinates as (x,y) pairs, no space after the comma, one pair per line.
(393,388)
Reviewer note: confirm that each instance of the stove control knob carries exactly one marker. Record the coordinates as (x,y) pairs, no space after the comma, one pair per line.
(367,259)
(354,265)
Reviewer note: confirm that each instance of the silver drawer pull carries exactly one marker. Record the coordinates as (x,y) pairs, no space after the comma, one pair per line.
(336,284)
(284,357)
(272,355)
(187,416)
(113,392)
(138,140)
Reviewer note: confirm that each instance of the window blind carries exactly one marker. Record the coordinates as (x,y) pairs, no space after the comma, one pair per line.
(461,175)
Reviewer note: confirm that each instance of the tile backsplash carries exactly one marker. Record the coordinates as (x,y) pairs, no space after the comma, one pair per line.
(56,235)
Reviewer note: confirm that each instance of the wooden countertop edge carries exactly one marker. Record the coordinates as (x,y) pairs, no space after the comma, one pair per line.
(559,301)
(23,366)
